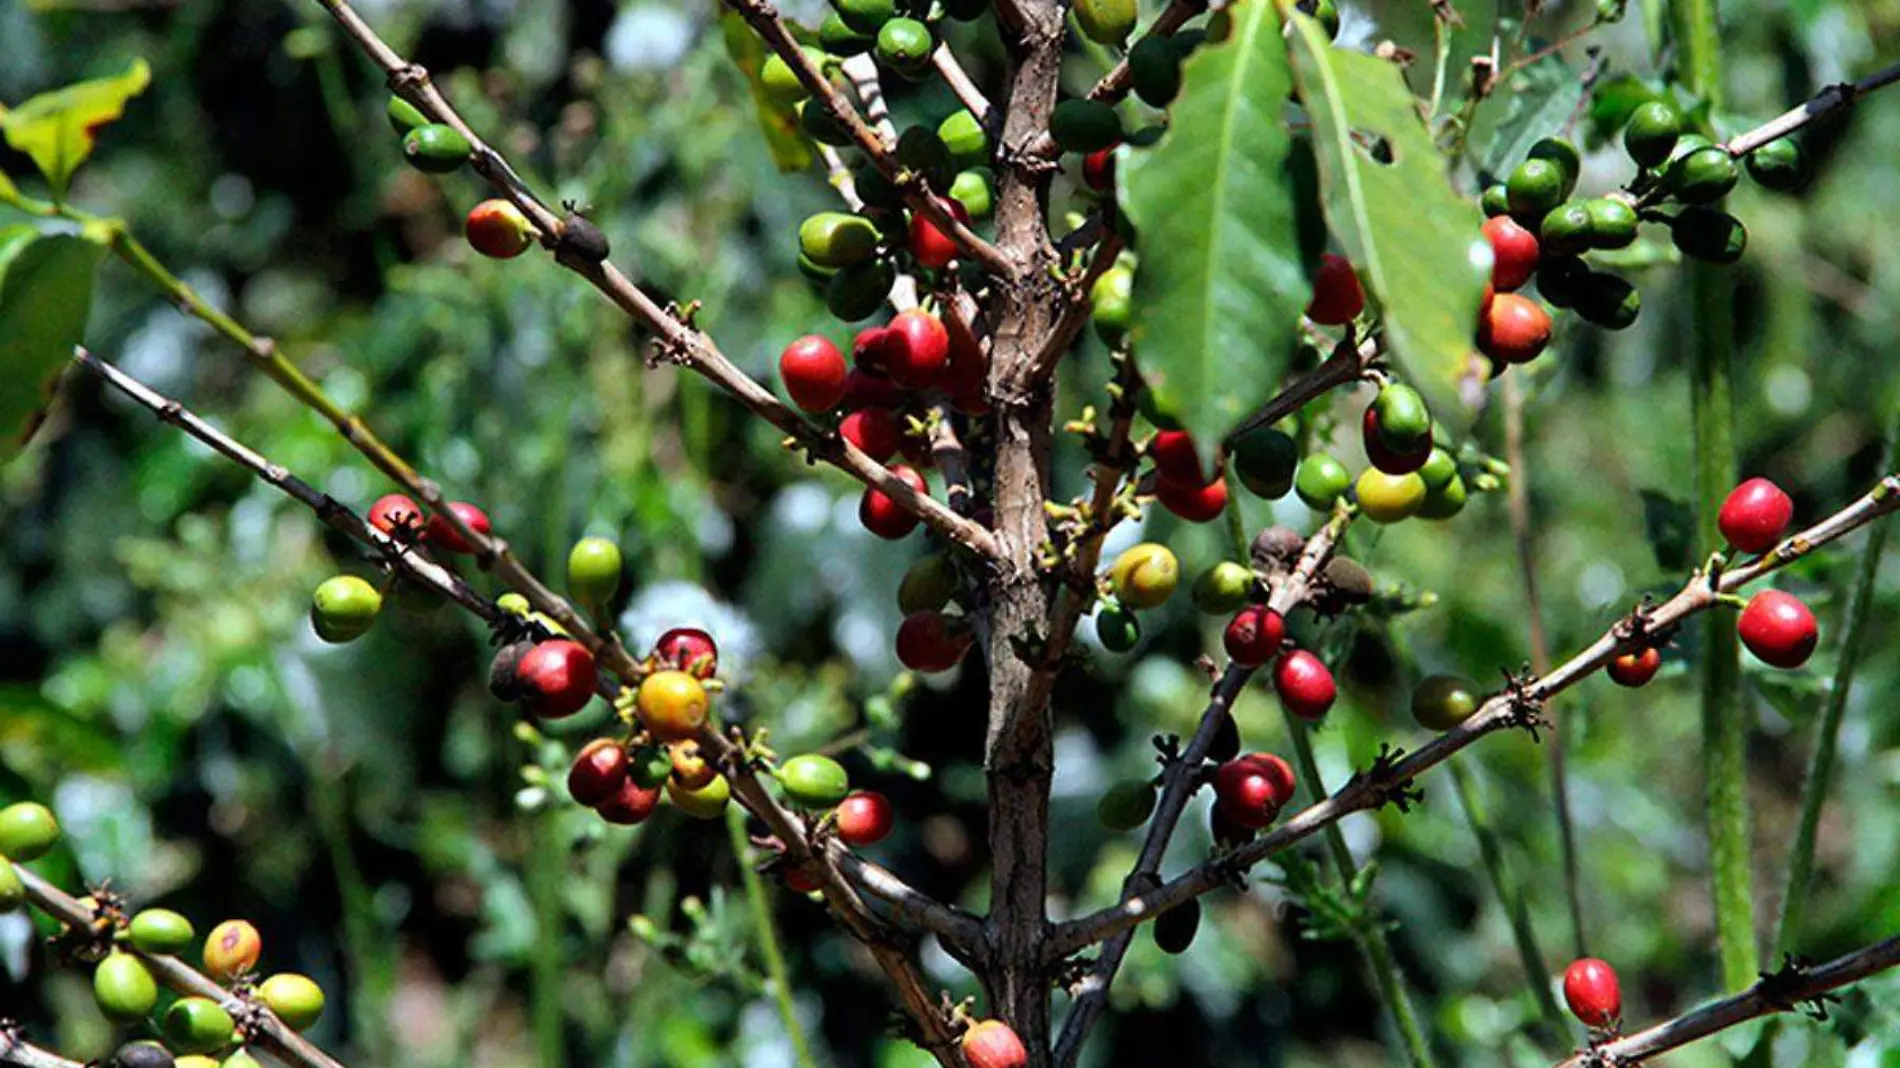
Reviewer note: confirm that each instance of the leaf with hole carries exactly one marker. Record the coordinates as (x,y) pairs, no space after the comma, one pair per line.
(56,129)
(45,293)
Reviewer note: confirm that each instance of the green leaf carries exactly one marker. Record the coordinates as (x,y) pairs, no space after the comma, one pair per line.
(45,292)
(1416,243)
(1222,279)
(784,137)
(1542,100)
(56,129)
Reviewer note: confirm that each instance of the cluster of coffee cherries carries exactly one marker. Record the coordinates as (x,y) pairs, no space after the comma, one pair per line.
(198,1032)
(1537,230)
(345,607)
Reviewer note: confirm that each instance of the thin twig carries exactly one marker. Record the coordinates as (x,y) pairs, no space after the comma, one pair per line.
(1828,101)
(16,1051)
(965,88)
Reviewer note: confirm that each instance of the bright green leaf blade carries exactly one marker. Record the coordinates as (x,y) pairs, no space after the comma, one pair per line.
(56,128)
(791,149)
(1221,285)
(1418,246)
(45,293)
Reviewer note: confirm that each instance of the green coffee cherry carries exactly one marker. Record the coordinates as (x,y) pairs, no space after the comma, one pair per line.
(837,239)
(1405,423)
(904,45)
(197,1025)
(28,831)
(814,780)
(1266,460)
(1609,301)
(1445,501)
(1126,805)
(819,125)
(1612,222)
(706,803)
(344,608)
(1536,187)
(839,38)
(1779,165)
(1559,278)
(1651,134)
(1496,200)
(1112,307)
(856,293)
(972,190)
(1106,22)
(1439,469)
(1118,628)
(1708,234)
(1321,482)
(159,931)
(404,116)
(1222,589)
(1565,230)
(865,16)
(1084,125)
(650,766)
(876,190)
(296,999)
(123,987)
(593,571)
(1558,151)
(1442,702)
(1154,70)
(780,81)
(928,584)
(12,890)
(1703,175)
(965,138)
(435,148)
(921,150)
(1687,143)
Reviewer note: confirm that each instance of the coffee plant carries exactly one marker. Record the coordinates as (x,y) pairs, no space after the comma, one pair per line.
(1135,316)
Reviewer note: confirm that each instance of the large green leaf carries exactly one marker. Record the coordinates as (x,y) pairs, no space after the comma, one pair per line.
(56,129)
(45,293)
(1540,100)
(1416,243)
(1222,279)
(784,137)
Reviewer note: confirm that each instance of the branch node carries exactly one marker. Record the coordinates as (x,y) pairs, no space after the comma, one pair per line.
(1383,781)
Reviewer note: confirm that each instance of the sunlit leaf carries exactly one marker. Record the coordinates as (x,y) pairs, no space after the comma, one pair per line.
(57,128)
(786,139)
(45,293)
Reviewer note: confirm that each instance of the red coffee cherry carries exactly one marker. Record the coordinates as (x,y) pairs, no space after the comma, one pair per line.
(1514,329)
(916,349)
(967,374)
(1513,251)
(1254,635)
(631,803)
(1227,834)
(1337,296)
(688,649)
(992,1044)
(867,349)
(1098,169)
(814,372)
(865,818)
(1591,989)
(1754,516)
(799,881)
(930,246)
(930,641)
(1250,790)
(599,769)
(1304,684)
(496,228)
(874,431)
(1778,629)
(1635,669)
(442,534)
(864,389)
(882,515)
(1196,504)
(1176,458)
(557,678)
(393,513)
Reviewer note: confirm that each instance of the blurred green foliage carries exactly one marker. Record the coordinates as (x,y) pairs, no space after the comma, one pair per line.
(369,806)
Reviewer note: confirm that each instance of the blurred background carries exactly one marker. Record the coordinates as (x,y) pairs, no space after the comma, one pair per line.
(379,816)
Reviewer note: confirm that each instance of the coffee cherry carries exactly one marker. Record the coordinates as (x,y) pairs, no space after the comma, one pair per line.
(1591,990)
(650,766)
(1535,187)
(673,705)
(1266,459)
(688,649)
(1252,789)
(1126,805)
(1513,253)
(394,513)
(965,138)
(231,949)
(1174,930)
(1778,629)
(1084,125)
(1608,301)
(1196,504)
(441,533)
(497,229)
(865,16)
(403,116)
(706,803)
(123,987)
(1514,330)
(865,818)
(1564,155)
(1337,296)
(159,931)
(343,608)
(197,1025)
(598,770)
(992,1044)
(504,671)
(904,45)
(579,240)
(814,373)
(928,584)
(1154,69)
(1387,498)
(1227,834)
(1379,448)
(1779,165)
(1612,222)
(838,239)
(434,148)
(1304,684)
(1635,668)
(1321,482)
(1106,22)
(1117,628)
(1276,549)
(1098,169)
(1222,588)
(930,246)
(882,515)
(1145,575)
(1703,175)
(799,881)
(1707,234)
(593,571)
(780,81)
(1561,278)
(147,1054)
(1565,230)
(1652,132)
(296,999)
(1404,421)
(874,431)
(814,781)
(1495,201)
(916,349)
(687,765)
(971,189)
(1111,305)
(558,678)
(1754,516)
(1442,702)
(931,642)
(1254,635)
(631,803)
(1176,457)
